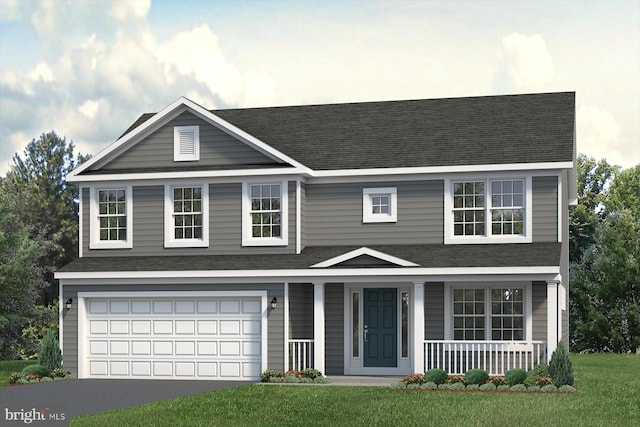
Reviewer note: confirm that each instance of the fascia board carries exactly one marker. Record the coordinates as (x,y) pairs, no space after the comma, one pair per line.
(364,251)
(306,273)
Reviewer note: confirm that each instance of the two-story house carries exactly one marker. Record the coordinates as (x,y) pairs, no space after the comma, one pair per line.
(375,238)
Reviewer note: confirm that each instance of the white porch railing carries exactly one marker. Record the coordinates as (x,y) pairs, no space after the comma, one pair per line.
(495,357)
(300,354)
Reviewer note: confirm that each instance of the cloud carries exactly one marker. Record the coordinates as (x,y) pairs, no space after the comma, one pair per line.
(599,134)
(527,60)
(123,9)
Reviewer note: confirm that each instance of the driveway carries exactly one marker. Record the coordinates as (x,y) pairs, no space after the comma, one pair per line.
(81,397)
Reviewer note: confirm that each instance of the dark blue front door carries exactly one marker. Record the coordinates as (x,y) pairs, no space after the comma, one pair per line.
(380,327)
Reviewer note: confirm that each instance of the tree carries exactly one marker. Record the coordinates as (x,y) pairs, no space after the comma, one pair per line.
(19,278)
(605,281)
(45,202)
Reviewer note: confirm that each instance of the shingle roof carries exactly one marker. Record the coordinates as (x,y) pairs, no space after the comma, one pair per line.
(503,129)
(430,256)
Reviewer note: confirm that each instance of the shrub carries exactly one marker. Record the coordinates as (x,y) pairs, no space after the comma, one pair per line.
(266,376)
(548,388)
(476,376)
(498,380)
(413,386)
(398,385)
(503,387)
(488,386)
(560,367)
(542,381)
(453,379)
(457,386)
(540,370)
(438,376)
(473,387)
(515,376)
(414,379)
(566,389)
(429,385)
(321,380)
(14,377)
(291,379)
(38,370)
(311,373)
(518,387)
(50,355)
(60,373)
(306,380)
(274,380)
(444,386)
(533,388)
(46,379)
(22,381)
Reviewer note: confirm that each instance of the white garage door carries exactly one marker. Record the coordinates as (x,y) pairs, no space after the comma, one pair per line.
(173,338)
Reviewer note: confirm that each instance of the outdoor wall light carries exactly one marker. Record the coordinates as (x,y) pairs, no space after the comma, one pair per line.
(274,303)
(69,303)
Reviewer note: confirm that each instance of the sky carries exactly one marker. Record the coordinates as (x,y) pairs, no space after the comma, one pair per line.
(87,69)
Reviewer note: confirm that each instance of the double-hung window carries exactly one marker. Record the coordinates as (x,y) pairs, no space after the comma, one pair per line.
(186,216)
(491,210)
(264,208)
(111,211)
(379,205)
(496,313)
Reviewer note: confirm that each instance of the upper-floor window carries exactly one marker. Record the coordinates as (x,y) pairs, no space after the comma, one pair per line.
(379,205)
(264,214)
(497,210)
(186,143)
(495,313)
(186,216)
(111,212)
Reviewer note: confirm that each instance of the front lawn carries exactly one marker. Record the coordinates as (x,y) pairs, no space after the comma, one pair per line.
(8,367)
(608,390)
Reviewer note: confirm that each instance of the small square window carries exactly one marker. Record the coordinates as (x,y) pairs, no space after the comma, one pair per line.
(379,205)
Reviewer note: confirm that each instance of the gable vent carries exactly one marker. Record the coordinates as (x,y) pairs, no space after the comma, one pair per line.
(186,141)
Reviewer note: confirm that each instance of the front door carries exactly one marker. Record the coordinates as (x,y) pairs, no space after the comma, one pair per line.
(380,334)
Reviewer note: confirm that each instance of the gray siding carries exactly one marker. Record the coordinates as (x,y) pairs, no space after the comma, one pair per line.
(217,148)
(275,327)
(334,215)
(334,329)
(300,311)
(539,310)
(545,209)
(434,311)
(225,226)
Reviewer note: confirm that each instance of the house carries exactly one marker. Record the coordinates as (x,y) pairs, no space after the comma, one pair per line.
(377,238)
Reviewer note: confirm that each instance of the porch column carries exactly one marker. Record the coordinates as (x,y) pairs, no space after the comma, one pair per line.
(318,327)
(418,327)
(552,317)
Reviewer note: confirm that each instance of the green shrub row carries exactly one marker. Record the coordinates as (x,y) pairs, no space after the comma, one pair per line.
(292,376)
(38,373)
(430,385)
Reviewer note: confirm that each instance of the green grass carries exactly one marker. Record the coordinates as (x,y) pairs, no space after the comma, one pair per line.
(607,395)
(8,367)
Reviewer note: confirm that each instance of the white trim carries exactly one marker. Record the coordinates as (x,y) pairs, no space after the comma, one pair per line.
(169,240)
(488,285)
(178,156)
(418,327)
(82,315)
(368,216)
(298,217)
(444,273)
(81,224)
(178,106)
(286,326)
(205,174)
(94,222)
(61,309)
(552,317)
(560,223)
(488,238)
(247,240)
(318,327)
(364,251)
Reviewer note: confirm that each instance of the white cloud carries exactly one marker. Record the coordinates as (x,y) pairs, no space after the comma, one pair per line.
(41,73)
(599,135)
(528,61)
(89,108)
(123,9)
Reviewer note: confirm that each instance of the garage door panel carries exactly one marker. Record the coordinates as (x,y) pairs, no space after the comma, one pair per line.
(185,338)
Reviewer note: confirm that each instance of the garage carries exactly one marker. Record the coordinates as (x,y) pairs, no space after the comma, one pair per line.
(186,337)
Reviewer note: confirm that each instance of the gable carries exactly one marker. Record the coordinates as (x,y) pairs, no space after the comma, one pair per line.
(365,257)
(217,149)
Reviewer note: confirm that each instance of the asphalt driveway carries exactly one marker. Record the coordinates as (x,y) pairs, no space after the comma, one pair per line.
(73,398)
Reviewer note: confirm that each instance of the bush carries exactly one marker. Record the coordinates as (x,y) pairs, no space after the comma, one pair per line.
(515,376)
(22,381)
(438,376)
(38,370)
(398,385)
(560,367)
(533,388)
(60,373)
(13,378)
(50,355)
(266,376)
(566,389)
(457,386)
(321,380)
(542,381)
(273,380)
(498,380)
(548,388)
(413,386)
(488,386)
(429,385)
(518,387)
(444,386)
(541,370)
(503,387)
(476,376)
(311,373)
(414,379)
(46,379)
(453,379)
(291,379)
(473,387)
(306,380)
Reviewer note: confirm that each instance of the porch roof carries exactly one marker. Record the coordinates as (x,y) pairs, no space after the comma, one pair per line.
(428,256)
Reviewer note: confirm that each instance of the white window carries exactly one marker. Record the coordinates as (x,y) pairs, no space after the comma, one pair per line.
(111,212)
(500,312)
(488,210)
(379,204)
(186,216)
(186,143)
(264,207)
